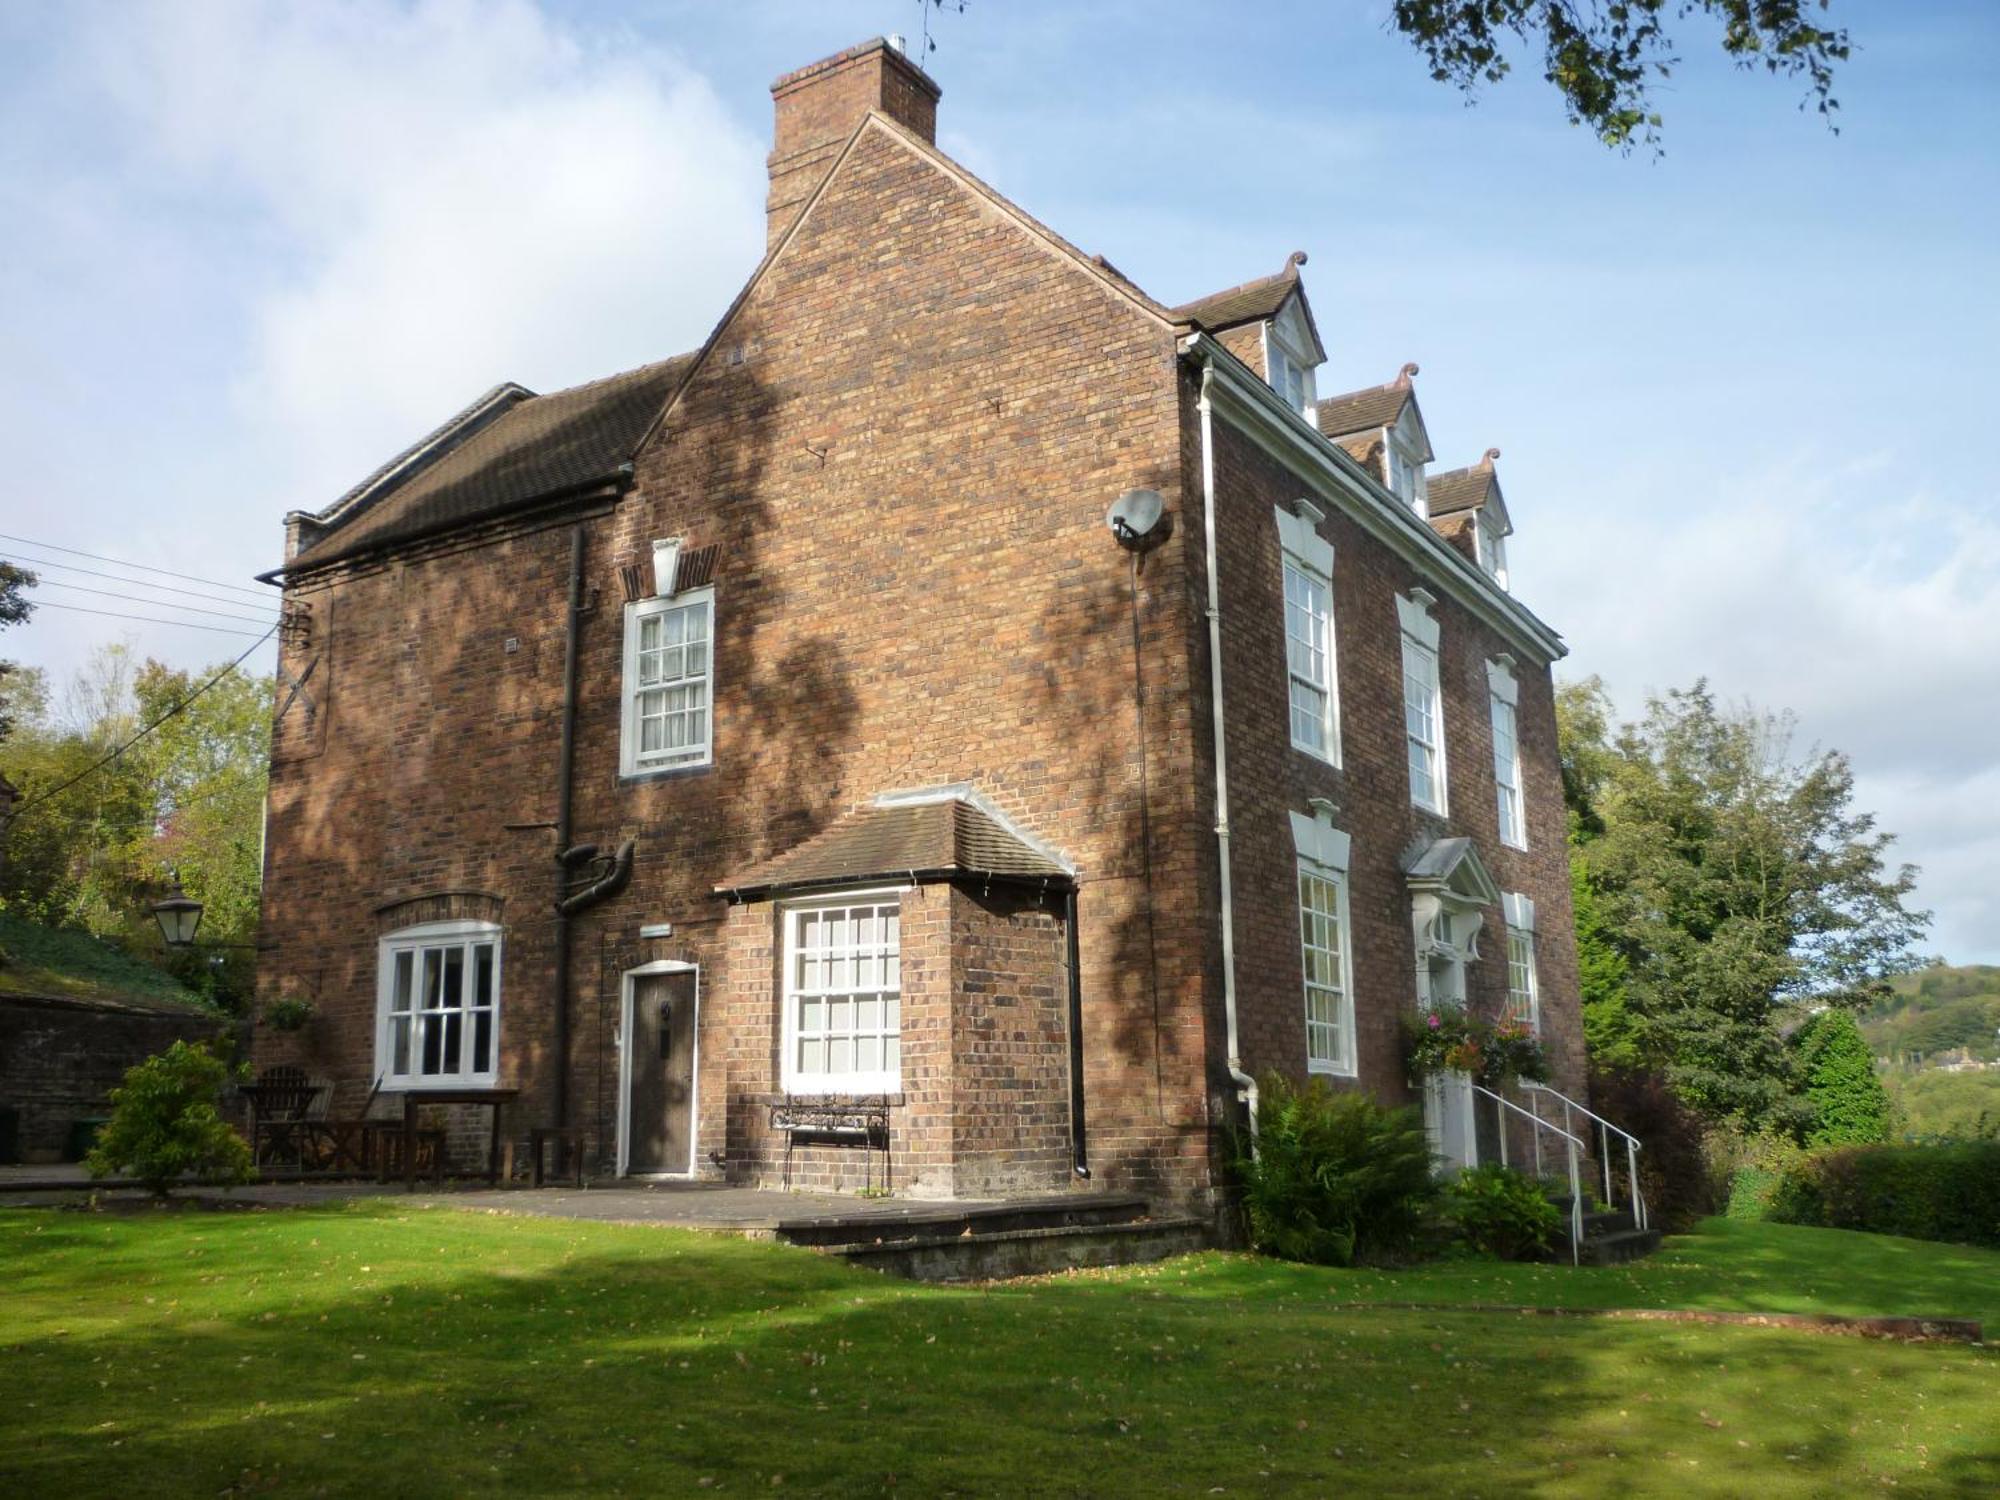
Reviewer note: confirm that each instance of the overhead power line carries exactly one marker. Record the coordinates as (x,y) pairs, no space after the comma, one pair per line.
(112,614)
(137,583)
(96,766)
(141,567)
(193,609)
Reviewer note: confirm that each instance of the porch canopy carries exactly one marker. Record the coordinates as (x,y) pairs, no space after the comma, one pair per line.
(949,836)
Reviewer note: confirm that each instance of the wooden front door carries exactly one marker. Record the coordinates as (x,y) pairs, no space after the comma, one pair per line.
(661,1073)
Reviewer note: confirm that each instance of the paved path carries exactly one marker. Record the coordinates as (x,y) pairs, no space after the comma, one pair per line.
(687,1205)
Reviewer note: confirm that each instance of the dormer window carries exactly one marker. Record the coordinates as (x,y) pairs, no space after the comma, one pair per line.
(1409,449)
(1291,376)
(1492,543)
(1291,354)
(1406,476)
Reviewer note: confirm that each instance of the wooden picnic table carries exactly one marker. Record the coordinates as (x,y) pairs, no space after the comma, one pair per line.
(492,1098)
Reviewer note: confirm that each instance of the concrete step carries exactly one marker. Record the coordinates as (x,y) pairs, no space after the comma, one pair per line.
(1608,1221)
(1618,1247)
(993,1255)
(947,1221)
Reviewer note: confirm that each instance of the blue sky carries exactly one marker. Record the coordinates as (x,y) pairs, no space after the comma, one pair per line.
(1739,392)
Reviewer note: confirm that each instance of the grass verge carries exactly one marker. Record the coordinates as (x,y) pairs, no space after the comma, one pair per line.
(378,1348)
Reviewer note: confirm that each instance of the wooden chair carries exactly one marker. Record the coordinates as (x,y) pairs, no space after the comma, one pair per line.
(280,1100)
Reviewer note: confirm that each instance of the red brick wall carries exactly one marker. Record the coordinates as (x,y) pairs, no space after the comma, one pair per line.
(1010,1102)
(903,447)
(1269,779)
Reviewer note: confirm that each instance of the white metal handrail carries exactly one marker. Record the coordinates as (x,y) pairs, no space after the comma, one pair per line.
(1605,1130)
(1573,1147)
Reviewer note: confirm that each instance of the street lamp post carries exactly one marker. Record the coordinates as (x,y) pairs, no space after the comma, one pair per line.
(179,915)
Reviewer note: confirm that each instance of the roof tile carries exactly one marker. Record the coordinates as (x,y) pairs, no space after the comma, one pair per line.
(943,838)
(541,446)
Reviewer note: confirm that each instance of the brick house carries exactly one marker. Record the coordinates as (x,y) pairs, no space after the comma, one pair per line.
(784,719)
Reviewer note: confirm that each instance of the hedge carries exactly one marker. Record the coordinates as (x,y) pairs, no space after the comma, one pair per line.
(1949,1193)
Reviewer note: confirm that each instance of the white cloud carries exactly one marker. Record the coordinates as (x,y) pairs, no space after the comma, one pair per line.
(457,193)
(1826,588)
(257,249)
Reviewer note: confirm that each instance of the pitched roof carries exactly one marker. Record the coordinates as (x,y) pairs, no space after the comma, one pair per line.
(1452,862)
(1363,411)
(937,839)
(1464,489)
(1252,302)
(536,448)
(1366,410)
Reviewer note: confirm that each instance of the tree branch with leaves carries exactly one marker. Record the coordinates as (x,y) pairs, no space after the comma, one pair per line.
(1608,59)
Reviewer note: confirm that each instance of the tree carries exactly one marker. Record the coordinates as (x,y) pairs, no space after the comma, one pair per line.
(1583,734)
(1849,1105)
(1729,886)
(1607,60)
(166,1124)
(187,797)
(14,610)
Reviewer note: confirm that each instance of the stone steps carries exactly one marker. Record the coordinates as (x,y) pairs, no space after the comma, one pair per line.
(1611,1237)
(993,1241)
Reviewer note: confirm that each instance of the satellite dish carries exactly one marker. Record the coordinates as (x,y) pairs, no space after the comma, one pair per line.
(1135,517)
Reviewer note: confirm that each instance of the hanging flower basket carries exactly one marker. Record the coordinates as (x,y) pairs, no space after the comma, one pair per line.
(1451,1039)
(288,1014)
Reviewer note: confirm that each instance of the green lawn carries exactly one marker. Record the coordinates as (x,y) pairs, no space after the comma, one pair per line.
(377,1349)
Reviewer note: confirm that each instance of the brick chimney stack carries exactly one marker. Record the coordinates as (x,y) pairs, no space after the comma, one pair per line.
(818,107)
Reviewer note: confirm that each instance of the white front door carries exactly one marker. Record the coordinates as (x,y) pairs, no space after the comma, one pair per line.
(1448,1096)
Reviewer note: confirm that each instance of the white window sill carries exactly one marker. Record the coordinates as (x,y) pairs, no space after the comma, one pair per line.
(658,773)
(844,1085)
(438,1085)
(1510,844)
(1317,754)
(1329,1070)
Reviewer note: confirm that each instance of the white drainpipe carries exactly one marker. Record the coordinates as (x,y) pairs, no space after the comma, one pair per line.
(1245,1083)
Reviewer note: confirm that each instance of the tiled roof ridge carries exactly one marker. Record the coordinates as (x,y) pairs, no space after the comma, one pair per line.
(383,472)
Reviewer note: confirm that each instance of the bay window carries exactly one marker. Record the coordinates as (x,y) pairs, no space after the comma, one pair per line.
(843,996)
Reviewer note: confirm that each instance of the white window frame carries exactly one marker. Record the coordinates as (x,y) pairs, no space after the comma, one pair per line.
(1284,360)
(1492,547)
(1524,985)
(631,761)
(465,936)
(794,1079)
(1308,555)
(1510,791)
(1323,852)
(1420,636)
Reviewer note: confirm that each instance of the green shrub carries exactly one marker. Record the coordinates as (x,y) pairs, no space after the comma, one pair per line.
(1949,1193)
(1747,1169)
(165,1124)
(1503,1214)
(1336,1177)
(1849,1105)
(1674,1173)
